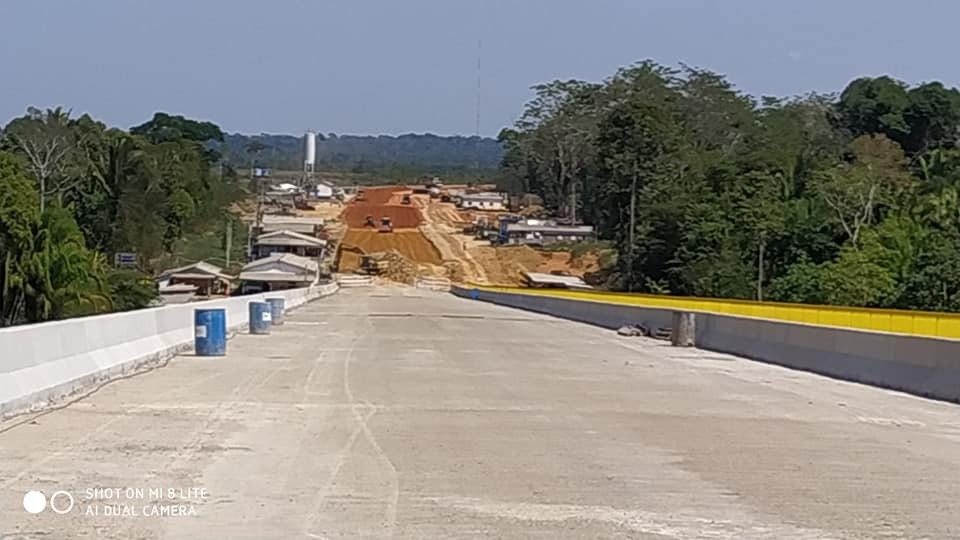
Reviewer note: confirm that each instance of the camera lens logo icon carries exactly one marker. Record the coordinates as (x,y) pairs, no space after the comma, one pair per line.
(35,502)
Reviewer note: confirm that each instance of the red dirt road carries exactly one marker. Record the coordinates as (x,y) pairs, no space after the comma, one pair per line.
(379,203)
(403,217)
(378,195)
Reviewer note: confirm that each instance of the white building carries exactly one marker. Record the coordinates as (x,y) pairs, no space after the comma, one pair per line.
(286,241)
(279,272)
(483,201)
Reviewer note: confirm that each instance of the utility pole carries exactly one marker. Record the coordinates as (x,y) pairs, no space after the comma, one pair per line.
(763,244)
(258,185)
(633,226)
(229,242)
(573,202)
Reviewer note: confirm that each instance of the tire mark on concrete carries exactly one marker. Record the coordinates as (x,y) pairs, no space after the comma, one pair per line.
(362,412)
(100,429)
(394,496)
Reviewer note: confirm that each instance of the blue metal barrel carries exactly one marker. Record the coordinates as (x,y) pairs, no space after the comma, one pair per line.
(259,318)
(276,310)
(210,332)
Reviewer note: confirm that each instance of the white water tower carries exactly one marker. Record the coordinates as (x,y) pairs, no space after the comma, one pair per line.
(310,151)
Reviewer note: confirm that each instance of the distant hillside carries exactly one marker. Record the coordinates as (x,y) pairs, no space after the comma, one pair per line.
(430,153)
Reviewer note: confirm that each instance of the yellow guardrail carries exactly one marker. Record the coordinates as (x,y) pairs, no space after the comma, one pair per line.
(917,323)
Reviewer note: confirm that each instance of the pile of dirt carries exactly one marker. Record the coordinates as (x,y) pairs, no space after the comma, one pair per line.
(504,265)
(564,262)
(455,271)
(432,270)
(411,244)
(585,264)
(400,268)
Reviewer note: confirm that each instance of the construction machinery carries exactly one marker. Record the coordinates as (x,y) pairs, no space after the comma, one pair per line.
(405,200)
(478,227)
(370,222)
(386,225)
(374,265)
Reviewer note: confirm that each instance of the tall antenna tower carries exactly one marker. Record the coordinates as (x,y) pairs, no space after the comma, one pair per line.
(477,131)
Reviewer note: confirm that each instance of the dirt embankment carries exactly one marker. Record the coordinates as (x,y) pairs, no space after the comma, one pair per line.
(428,234)
(410,244)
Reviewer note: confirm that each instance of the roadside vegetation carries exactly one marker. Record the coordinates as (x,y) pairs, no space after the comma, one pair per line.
(850,199)
(74,192)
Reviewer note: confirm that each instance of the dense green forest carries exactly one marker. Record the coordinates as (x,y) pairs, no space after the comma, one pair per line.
(849,199)
(74,192)
(384,154)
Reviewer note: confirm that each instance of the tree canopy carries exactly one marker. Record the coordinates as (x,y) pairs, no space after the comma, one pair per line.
(849,199)
(74,192)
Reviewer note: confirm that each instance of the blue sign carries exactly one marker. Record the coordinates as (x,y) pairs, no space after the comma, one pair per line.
(125,260)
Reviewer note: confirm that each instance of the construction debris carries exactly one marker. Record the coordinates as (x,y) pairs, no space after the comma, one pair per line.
(633,330)
(393,266)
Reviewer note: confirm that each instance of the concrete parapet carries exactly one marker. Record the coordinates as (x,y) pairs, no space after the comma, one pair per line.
(43,363)
(354,280)
(923,366)
(432,283)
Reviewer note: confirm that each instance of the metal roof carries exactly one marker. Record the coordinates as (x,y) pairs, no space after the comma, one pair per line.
(275,276)
(552,229)
(571,282)
(483,196)
(293,219)
(289,238)
(296,261)
(304,228)
(201,267)
(195,275)
(179,288)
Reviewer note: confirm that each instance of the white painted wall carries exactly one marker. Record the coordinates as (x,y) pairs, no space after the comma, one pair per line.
(47,361)
(484,205)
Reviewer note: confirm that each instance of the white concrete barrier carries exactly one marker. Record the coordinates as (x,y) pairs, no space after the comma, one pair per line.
(928,367)
(43,363)
(432,283)
(354,280)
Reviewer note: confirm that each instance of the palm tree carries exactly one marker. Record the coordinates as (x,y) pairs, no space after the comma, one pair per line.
(63,277)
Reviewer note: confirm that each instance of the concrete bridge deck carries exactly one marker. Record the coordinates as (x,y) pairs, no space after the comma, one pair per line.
(409,414)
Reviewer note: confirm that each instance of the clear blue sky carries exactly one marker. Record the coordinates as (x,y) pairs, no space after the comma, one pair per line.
(395,66)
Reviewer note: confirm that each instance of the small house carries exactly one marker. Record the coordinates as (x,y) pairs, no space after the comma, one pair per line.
(287,241)
(279,272)
(483,201)
(206,280)
(541,233)
(323,191)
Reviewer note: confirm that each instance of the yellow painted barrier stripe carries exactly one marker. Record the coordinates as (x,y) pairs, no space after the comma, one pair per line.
(917,323)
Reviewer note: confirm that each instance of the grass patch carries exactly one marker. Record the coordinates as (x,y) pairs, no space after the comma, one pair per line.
(579,249)
(210,245)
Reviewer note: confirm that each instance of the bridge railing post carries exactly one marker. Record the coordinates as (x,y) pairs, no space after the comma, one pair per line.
(683,330)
